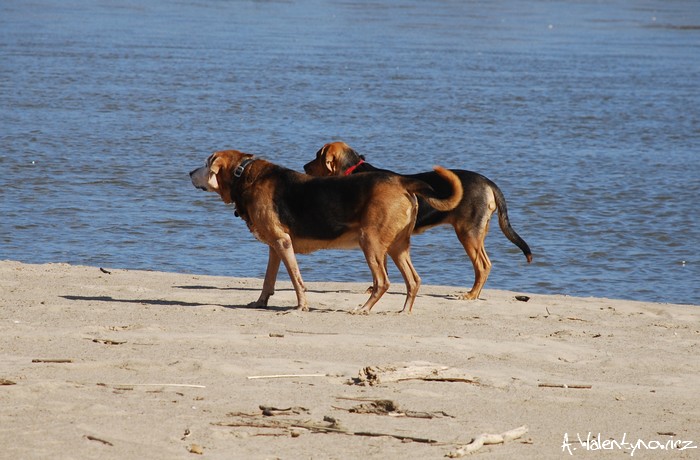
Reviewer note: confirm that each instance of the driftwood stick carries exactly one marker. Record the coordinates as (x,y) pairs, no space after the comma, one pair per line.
(395,436)
(108,341)
(286,424)
(488,439)
(52,361)
(181,385)
(92,438)
(284,376)
(565,385)
(452,379)
(374,375)
(328,427)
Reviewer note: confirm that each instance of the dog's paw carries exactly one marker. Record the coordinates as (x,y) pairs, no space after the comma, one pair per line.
(467,296)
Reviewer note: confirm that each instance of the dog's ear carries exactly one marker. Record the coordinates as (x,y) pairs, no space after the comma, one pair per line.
(214,169)
(330,159)
(215,166)
(220,178)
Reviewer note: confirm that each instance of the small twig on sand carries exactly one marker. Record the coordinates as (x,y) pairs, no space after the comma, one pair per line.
(284,376)
(108,341)
(52,361)
(183,385)
(565,385)
(92,438)
(486,439)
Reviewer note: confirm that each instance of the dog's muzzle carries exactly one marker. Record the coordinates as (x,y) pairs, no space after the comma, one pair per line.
(194,180)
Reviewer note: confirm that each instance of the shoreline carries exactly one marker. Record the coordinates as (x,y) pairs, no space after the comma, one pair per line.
(126,363)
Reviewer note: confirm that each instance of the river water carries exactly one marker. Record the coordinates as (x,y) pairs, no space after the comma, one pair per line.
(586,114)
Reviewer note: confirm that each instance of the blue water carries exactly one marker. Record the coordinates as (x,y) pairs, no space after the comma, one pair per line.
(586,113)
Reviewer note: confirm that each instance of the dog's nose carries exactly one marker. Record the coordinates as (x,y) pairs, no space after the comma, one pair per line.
(192,172)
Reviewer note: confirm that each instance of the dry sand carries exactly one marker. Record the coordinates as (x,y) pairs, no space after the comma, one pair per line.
(159,366)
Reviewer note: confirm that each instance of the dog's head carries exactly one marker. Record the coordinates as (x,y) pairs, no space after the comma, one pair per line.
(332,160)
(217,174)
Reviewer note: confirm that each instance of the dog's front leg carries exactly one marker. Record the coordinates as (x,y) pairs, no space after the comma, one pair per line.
(285,251)
(273,266)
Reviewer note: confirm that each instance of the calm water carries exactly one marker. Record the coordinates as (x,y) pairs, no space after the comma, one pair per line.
(586,113)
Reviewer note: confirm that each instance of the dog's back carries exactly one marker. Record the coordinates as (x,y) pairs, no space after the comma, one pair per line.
(325,208)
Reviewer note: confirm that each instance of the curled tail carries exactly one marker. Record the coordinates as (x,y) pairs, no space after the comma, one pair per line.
(504,223)
(431,197)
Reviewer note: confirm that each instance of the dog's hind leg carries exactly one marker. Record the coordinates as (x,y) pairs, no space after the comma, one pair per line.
(400,252)
(473,242)
(376,259)
(273,266)
(402,259)
(285,251)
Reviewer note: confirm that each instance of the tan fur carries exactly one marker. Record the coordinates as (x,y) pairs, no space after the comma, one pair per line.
(383,226)
(470,218)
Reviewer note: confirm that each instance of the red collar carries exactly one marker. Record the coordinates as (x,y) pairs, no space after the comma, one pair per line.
(352,168)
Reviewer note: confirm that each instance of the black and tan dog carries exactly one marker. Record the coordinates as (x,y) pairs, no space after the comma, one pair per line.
(293,213)
(470,218)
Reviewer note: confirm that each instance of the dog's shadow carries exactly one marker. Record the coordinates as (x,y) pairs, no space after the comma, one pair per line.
(316,291)
(249,306)
(180,303)
(257,289)
(253,305)
(176,303)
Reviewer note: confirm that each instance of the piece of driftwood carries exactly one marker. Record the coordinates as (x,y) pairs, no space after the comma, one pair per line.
(52,361)
(375,375)
(387,407)
(311,332)
(7,382)
(575,386)
(284,376)
(109,341)
(181,385)
(270,411)
(93,438)
(329,425)
(488,439)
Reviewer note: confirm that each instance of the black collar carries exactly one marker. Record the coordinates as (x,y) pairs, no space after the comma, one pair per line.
(238,172)
(237,187)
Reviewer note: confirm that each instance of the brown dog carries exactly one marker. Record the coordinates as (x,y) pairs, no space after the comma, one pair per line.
(296,213)
(470,218)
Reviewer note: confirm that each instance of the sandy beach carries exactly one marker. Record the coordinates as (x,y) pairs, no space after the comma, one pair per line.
(114,364)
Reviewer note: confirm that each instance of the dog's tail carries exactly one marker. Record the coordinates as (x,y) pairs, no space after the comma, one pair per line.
(431,197)
(504,223)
